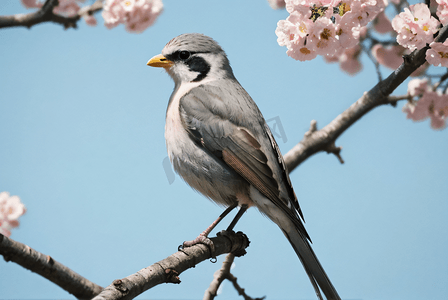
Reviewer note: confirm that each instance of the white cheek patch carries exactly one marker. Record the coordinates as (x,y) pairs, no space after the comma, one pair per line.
(182,74)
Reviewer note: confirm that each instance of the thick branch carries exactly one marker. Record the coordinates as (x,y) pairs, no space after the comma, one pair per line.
(324,139)
(45,14)
(47,267)
(167,270)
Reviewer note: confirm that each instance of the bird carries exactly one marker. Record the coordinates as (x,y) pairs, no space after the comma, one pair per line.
(220,144)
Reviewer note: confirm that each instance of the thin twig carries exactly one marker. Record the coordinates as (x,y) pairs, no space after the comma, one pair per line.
(375,62)
(222,274)
(239,289)
(45,14)
(395,99)
(442,79)
(219,276)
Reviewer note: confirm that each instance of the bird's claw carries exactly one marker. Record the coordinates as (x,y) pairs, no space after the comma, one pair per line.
(201,239)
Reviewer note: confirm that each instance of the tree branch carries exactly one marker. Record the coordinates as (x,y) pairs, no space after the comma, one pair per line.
(45,14)
(324,139)
(239,289)
(222,274)
(168,270)
(47,267)
(164,271)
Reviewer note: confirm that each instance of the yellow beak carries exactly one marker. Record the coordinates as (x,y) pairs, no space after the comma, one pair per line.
(160,61)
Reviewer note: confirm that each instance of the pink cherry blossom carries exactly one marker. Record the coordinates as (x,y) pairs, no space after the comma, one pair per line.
(418,86)
(11,208)
(67,8)
(415,26)
(442,11)
(32,3)
(382,24)
(349,60)
(113,13)
(277,4)
(90,20)
(301,52)
(390,57)
(440,114)
(416,111)
(347,35)
(433,105)
(322,38)
(362,12)
(438,54)
(137,15)
(325,27)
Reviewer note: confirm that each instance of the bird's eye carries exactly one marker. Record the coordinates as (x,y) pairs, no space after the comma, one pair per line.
(184,55)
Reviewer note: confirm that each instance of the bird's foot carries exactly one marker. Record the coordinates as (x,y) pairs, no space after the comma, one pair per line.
(201,239)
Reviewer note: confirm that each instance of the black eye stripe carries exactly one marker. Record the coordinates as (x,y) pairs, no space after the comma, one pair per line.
(176,55)
(195,63)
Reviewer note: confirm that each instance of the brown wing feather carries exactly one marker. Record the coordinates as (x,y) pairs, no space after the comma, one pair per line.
(235,144)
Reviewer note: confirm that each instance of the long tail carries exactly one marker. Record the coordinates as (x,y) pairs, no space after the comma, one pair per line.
(313,268)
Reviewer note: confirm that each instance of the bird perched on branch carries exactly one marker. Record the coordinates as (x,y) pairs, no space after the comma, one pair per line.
(220,144)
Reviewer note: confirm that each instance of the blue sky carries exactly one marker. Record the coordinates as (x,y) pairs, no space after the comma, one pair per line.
(82,144)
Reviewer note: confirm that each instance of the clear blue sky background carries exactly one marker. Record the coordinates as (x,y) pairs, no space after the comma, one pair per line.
(82,144)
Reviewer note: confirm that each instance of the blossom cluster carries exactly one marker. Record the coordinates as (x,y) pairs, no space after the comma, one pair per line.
(67,8)
(136,15)
(415,26)
(11,208)
(432,104)
(326,28)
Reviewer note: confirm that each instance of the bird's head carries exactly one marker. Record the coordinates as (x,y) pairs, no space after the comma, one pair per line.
(193,57)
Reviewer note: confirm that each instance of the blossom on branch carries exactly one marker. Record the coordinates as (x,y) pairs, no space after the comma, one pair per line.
(382,24)
(349,60)
(390,57)
(65,8)
(136,15)
(32,3)
(90,20)
(415,26)
(432,104)
(417,87)
(326,27)
(11,208)
(442,11)
(438,54)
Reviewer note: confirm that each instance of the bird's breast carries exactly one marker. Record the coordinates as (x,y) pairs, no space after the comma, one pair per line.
(201,170)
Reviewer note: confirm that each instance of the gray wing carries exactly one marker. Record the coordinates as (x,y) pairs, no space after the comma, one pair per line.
(214,118)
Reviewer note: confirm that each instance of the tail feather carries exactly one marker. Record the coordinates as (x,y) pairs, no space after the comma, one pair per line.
(313,268)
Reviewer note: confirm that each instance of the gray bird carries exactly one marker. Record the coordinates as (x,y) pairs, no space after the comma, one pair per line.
(220,144)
